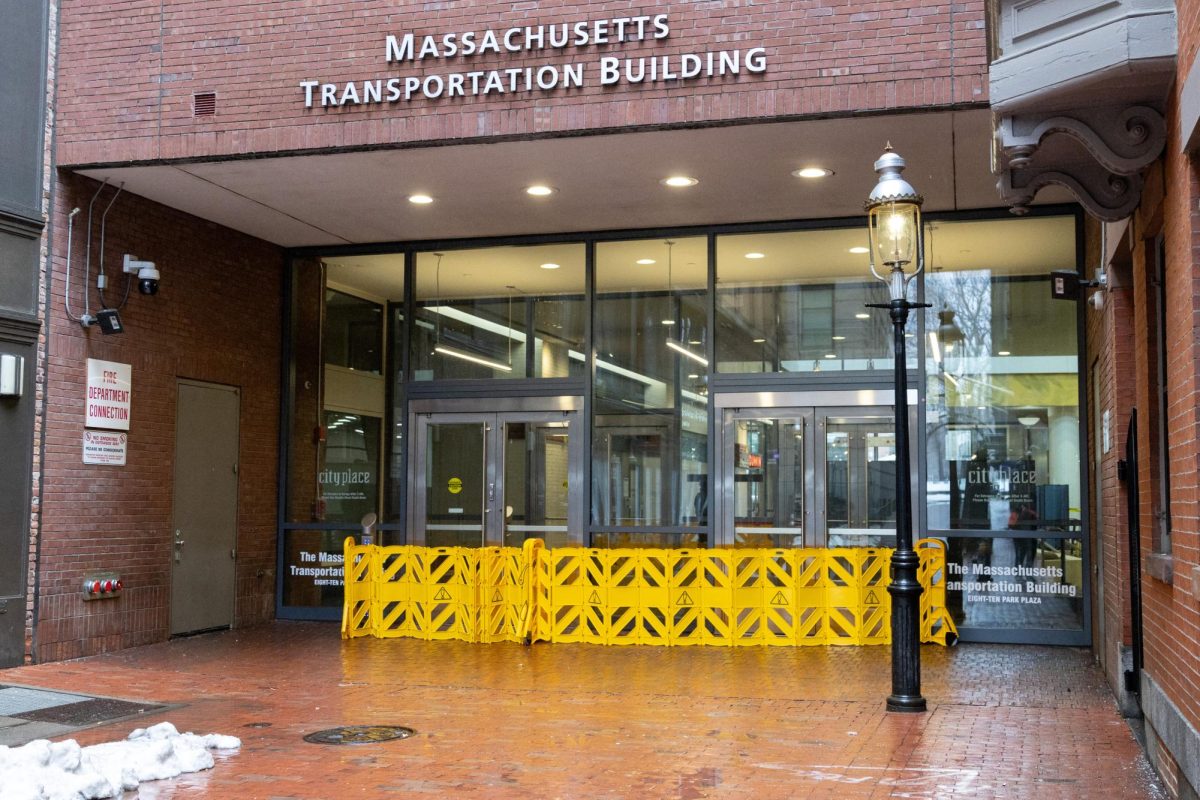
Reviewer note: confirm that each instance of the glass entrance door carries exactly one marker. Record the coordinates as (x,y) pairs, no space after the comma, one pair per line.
(859,492)
(807,477)
(495,479)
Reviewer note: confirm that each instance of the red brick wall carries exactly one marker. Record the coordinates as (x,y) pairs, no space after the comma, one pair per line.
(1126,345)
(1124,340)
(128,73)
(1172,611)
(1110,352)
(216,318)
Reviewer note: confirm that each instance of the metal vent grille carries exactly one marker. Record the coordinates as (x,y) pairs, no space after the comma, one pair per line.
(204,104)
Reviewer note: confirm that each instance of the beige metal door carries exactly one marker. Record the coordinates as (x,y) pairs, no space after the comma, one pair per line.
(203,549)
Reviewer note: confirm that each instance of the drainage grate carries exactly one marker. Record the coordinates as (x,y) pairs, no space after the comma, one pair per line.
(359,734)
(257,725)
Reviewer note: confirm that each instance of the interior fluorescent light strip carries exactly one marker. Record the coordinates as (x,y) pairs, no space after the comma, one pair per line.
(613,368)
(477,322)
(487,362)
(677,347)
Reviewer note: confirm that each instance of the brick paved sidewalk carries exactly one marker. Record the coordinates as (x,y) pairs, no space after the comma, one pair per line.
(580,721)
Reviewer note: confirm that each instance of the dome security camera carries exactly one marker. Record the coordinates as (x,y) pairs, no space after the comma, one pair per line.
(146,272)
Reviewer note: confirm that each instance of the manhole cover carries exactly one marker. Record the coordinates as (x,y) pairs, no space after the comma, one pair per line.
(359,734)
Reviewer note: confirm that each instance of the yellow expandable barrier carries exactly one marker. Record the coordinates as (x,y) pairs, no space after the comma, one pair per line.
(726,597)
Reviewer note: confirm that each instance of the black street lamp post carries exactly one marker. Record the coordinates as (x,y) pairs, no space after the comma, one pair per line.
(894,220)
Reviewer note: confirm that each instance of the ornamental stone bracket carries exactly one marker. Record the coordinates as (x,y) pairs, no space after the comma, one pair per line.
(1097,154)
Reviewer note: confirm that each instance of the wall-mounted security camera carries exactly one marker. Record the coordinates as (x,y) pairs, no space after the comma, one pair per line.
(146,273)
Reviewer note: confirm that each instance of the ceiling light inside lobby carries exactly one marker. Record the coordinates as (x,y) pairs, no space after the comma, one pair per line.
(420,199)
(550,265)
(680,181)
(812,172)
(540,190)
(858,251)
(755,256)
(645,262)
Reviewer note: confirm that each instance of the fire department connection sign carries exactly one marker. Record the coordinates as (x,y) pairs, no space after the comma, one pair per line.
(108,394)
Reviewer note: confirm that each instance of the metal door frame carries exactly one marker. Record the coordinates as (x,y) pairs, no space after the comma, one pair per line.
(858,416)
(639,425)
(725,530)
(815,408)
(493,414)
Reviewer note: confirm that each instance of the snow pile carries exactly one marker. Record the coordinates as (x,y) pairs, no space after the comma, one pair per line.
(43,770)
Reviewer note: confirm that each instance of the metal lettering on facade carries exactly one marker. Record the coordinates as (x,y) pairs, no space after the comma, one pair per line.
(409,48)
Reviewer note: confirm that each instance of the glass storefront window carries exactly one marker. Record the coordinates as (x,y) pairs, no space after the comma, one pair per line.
(353,332)
(795,302)
(312,567)
(1002,582)
(500,312)
(1000,387)
(349,477)
(650,407)
(307,368)
(1002,378)
(339,356)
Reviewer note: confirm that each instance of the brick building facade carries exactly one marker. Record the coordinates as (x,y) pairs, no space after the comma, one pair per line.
(262,205)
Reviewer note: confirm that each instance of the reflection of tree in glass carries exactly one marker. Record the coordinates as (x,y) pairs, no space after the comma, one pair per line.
(969,295)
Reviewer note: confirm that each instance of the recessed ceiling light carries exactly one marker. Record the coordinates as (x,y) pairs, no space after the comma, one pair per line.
(759,341)
(839,338)
(645,262)
(755,256)
(420,199)
(695,341)
(693,377)
(668,322)
(908,335)
(550,265)
(812,172)
(830,355)
(858,251)
(540,190)
(679,181)
(1004,353)
(862,315)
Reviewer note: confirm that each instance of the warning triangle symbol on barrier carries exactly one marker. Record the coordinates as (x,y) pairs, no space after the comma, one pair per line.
(594,599)
(779,599)
(685,599)
(497,597)
(872,599)
(442,594)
